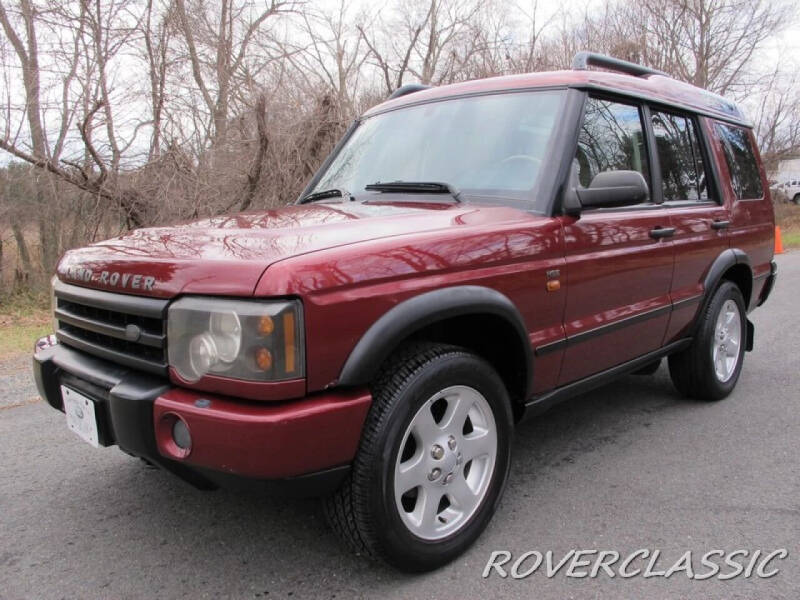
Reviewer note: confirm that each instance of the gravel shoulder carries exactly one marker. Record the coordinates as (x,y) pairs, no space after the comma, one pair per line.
(16,382)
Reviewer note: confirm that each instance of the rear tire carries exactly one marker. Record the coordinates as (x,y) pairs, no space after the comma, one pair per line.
(796,199)
(710,367)
(424,485)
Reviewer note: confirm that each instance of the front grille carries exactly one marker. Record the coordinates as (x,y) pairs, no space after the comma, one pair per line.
(127,330)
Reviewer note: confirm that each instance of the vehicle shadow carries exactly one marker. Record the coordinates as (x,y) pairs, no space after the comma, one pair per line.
(266,544)
(583,424)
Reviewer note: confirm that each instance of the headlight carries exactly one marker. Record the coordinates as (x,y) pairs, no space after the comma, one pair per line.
(250,340)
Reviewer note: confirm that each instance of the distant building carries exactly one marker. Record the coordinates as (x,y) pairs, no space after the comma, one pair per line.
(788,168)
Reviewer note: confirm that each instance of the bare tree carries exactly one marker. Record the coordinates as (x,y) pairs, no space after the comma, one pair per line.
(447,24)
(257,165)
(708,43)
(333,55)
(775,115)
(394,59)
(26,47)
(217,46)
(156,32)
(97,35)
(430,40)
(711,43)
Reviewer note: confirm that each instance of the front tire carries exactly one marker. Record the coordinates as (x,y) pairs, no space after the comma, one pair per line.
(710,367)
(433,460)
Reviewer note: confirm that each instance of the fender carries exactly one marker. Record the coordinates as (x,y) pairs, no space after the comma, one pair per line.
(727,259)
(414,314)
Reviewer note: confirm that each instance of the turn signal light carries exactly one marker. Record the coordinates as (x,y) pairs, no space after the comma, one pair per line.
(264,359)
(266,325)
(288,341)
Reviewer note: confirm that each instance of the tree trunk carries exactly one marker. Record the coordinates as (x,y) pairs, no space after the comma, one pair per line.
(22,247)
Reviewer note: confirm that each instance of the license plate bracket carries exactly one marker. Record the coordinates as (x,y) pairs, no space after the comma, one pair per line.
(81,414)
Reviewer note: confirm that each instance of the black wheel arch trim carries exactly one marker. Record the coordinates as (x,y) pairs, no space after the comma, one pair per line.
(726,260)
(416,313)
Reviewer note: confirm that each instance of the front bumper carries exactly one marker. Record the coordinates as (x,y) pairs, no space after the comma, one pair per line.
(301,446)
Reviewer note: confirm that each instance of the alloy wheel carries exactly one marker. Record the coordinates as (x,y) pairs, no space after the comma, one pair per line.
(727,341)
(445,463)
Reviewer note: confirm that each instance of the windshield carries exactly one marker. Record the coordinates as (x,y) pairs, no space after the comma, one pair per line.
(489,147)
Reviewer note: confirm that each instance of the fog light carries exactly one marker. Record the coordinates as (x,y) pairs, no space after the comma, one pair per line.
(181,435)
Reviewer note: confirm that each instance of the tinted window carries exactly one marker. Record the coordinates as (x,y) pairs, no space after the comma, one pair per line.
(683,175)
(611,138)
(745,178)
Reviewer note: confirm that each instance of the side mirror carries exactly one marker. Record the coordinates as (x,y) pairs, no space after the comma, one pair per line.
(608,189)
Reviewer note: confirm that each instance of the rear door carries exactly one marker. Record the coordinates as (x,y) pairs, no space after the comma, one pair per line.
(752,216)
(690,194)
(618,263)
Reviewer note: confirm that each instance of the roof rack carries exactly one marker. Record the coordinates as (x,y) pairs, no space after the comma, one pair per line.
(583,60)
(409,88)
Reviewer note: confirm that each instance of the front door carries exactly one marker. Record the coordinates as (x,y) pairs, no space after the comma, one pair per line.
(619,262)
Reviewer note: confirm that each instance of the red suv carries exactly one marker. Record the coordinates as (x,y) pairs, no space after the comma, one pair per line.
(467,256)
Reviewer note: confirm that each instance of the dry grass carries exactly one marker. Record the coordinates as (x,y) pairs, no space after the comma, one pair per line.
(791,239)
(20,327)
(787,216)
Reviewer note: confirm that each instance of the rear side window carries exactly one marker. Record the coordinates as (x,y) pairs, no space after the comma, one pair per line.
(745,178)
(683,174)
(611,139)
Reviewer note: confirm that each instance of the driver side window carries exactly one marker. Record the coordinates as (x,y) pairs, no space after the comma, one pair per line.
(611,138)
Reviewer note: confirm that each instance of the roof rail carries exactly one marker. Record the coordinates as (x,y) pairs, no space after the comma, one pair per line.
(583,60)
(409,88)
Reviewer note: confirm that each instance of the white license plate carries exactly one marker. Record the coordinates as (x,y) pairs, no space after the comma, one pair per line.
(80,415)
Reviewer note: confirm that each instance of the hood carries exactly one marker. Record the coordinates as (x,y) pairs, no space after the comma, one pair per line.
(227,255)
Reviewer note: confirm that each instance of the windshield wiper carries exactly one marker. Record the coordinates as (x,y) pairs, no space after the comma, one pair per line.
(415,187)
(324,194)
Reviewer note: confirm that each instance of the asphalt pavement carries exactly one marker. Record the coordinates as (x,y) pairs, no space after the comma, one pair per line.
(628,467)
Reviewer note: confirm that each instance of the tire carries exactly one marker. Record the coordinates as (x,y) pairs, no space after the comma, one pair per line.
(722,326)
(796,199)
(371,512)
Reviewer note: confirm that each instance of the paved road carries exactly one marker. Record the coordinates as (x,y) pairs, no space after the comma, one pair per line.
(627,467)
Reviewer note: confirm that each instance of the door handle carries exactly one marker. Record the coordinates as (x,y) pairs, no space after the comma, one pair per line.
(662,232)
(720,224)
